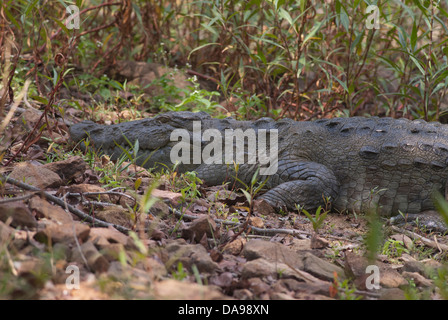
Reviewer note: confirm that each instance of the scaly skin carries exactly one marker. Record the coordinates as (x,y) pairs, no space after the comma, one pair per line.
(360,163)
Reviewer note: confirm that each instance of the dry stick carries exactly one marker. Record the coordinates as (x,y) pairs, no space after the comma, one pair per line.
(439,246)
(261,231)
(62,203)
(17,198)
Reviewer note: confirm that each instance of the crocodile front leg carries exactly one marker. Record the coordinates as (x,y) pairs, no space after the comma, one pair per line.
(305,183)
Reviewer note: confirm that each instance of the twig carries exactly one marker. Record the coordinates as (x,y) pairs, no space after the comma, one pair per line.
(62,203)
(260,231)
(17,198)
(439,246)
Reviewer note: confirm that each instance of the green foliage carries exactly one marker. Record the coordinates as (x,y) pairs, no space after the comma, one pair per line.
(192,182)
(180,274)
(394,248)
(346,291)
(374,237)
(318,219)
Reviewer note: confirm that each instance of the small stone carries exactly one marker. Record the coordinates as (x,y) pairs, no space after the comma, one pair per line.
(321,268)
(182,290)
(159,209)
(272,251)
(262,207)
(37,176)
(63,233)
(111,235)
(300,244)
(87,188)
(188,254)
(6,233)
(68,169)
(318,242)
(262,268)
(19,214)
(418,279)
(44,209)
(203,225)
(235,247)
(392,294)
(116,215)
(243,294)
(414,266)
(390,278)
(95,260)
(256,222)
(172,197)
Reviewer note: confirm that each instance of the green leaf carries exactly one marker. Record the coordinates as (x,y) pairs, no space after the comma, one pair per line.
(417,64)
(11,18)
(201,47)
(247,194)
(313,31)
(30,7)
(414,37)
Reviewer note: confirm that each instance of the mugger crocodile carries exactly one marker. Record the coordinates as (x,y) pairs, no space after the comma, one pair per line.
(391,164)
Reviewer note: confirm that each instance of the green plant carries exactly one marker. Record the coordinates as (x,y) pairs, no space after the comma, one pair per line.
(394,249)
(319,217)
(180,274)
(346,291)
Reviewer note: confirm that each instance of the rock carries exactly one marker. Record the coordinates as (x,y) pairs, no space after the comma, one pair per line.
(203,225)
(355,265)
(317,288)
(407,242)
(181,290)
(153,267)
(258,286)
(63,233)
(390,278)
(263,268)
(243,294)
(321,268)
(37,176)
(86,188)
(262,207)
(272,251)
(19,214)
(188,254)
(418,279)
(6,233)
(300,244)
(392,294)
(69,169)
(256,222)
(414,266)
(159,209)
(431,267)
(224,280)
(44,209)
(110,235)
(281,296)
(172,197)
(95,260)
(111,251)
(235,247)
(318,242)
(116,215)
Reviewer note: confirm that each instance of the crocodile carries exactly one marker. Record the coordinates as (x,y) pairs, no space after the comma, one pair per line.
(359,163)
